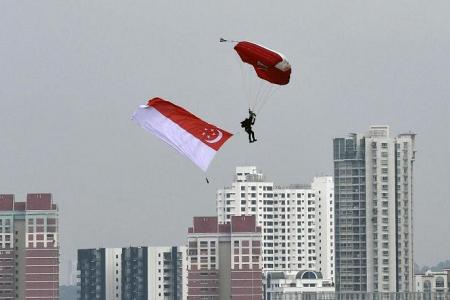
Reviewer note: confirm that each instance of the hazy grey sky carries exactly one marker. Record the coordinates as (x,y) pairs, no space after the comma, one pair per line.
(72,73)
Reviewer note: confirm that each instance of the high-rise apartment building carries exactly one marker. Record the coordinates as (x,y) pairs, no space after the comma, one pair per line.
(224,259)
(29,248)
(100,273)
(133,273)
(154,273)
(296,220)
(373,175)
(135,269)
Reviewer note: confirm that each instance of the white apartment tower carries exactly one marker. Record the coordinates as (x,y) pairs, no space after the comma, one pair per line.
(297,220)
(374,192)
(323,188)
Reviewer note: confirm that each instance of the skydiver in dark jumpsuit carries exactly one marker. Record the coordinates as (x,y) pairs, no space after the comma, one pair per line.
(247,125)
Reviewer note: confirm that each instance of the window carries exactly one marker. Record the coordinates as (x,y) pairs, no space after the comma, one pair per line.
(440,282)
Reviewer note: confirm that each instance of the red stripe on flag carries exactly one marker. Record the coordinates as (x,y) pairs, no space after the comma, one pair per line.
(209,134)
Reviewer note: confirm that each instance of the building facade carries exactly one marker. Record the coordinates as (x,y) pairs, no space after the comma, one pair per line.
(72,273)
(100,273)
(373,175)
(224,259)
(432,282)
(133,273)
(297,221)
(278,283)
(154,273)
(29,248)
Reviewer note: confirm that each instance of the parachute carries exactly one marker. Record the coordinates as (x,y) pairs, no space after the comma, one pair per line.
(271,67)
(268,64)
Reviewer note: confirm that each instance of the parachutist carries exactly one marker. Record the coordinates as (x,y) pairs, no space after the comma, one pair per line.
(247,125)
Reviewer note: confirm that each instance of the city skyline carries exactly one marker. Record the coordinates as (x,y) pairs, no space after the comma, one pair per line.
(259,177)
(73,73)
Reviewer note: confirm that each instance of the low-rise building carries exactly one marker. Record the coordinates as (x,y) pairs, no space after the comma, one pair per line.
(432,282)
(294,283)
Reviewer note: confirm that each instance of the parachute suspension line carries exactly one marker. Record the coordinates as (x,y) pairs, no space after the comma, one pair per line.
(249,82)
(258,95)
(263,98)
(245,82)
(257,88)
(266,89)
(245,74)
(270,94)
(272,91)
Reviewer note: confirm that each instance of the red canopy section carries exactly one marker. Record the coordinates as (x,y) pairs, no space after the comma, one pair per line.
(268,64)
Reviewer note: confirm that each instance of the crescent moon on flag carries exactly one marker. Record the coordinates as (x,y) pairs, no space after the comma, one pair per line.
(218,138)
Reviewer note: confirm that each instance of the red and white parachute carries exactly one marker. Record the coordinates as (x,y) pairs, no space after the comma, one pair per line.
(271,67)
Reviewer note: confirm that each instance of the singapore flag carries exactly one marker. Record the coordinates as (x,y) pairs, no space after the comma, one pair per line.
(194,138)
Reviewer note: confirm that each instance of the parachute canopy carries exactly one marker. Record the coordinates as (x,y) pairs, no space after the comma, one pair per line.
(191,136)
(268,64)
